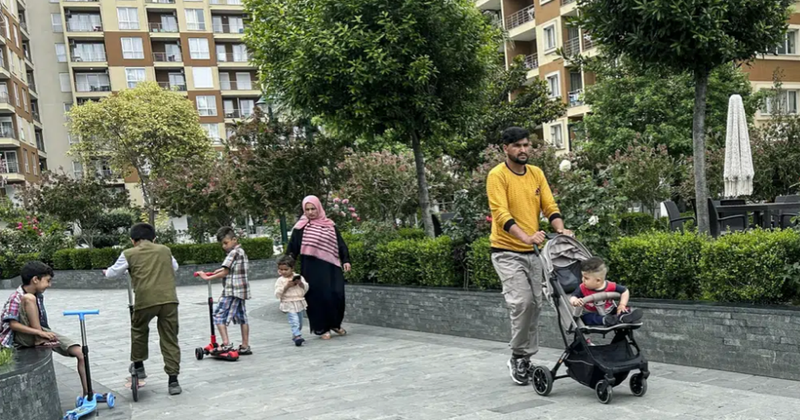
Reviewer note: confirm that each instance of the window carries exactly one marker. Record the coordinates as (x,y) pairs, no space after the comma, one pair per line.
(550,38)
(21,125)
(198,49)
(195,20)
(789,44)
(25,160)
(202,77)
(93,52)
(169,23)
(61,53)
(14,35)
(77,169)
(92,82)
(134,77)
(128,18)
(212,130)
(177,81)
(16,95)
(9,162)
(554,83)
(7,128)
(35,166)
(132,48)
(7,26)
(67,107)
(222,55)
(225,81)
(63,79)
(555,136)
(247,105)
(173,52)
(243,81)
(24,101)
(240,53)
(84,22)
(207,106)
(784,101)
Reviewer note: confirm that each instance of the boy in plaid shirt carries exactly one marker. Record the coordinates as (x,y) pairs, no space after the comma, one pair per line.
(235,290)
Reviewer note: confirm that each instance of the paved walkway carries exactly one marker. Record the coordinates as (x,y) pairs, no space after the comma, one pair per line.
(375,373)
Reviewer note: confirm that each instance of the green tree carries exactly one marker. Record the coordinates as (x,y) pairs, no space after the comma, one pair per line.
(645,174)
(695,36)
(147,131)
(653,106)
(80,201)
(414,70)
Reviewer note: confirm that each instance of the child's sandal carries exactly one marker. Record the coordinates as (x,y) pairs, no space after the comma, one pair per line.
(245,351)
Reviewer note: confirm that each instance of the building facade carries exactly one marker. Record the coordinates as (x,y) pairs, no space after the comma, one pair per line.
(22,151)
(537,29)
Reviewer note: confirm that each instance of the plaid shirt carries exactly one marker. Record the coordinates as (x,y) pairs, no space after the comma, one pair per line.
(235,283)
(11,313)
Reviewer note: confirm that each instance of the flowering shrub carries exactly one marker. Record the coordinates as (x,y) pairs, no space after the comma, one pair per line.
(342,212)
(644,174)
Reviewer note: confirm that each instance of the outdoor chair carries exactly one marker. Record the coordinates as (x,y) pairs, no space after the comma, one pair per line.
(719,224)
(734,224)
(785,219)
(676,222)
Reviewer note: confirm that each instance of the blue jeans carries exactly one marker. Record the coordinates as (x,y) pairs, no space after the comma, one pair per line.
(296,322)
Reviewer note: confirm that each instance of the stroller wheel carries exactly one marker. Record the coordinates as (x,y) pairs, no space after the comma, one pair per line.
(542,380)
(604,391)
(638,385)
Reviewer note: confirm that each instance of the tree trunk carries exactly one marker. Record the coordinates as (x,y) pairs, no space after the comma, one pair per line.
(698,135)
(422,184)
(149,205)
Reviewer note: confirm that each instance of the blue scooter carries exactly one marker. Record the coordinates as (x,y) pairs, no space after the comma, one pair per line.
(87,404)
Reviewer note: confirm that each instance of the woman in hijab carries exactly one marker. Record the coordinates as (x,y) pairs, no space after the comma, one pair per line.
(322,253)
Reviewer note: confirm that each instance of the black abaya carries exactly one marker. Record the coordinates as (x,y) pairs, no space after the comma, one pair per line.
(325,295)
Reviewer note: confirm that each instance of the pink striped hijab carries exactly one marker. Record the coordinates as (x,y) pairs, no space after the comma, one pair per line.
(319,234)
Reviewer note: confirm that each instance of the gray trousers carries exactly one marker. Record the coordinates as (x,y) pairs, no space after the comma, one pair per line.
(522,276)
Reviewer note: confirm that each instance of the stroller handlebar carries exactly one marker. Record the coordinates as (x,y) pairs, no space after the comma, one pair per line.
(601,296)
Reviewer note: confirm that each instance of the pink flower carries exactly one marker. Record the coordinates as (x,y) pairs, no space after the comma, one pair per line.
(35,228)
(345,201)
(336,200)
(353,215)
(351,209)
(358,219)
(19,227)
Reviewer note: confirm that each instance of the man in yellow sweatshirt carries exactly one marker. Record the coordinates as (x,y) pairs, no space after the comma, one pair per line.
(518,194)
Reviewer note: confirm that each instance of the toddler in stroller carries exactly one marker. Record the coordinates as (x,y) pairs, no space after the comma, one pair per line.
(600,367)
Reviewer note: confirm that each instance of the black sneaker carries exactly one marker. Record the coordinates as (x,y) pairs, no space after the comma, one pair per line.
(299,341)
(631,317)
(138,371)
(610,320)
(174,388)
(519,369)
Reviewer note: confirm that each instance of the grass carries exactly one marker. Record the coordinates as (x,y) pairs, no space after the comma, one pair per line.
(5,356)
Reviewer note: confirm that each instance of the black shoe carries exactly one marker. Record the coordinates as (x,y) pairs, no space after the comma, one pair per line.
(631,317)
(174,387)
(610,320)
(519,369)
(138,371)
(299,341)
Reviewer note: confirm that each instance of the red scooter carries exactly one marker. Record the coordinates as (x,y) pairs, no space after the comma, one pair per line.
(213,349)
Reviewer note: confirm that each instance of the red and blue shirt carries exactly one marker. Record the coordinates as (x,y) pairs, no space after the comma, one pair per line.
(610,286)
(11,313)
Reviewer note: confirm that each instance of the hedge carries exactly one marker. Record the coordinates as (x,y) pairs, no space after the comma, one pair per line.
(10,264)
(481,271)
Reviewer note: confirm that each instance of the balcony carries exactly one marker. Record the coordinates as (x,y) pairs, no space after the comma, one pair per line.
(5,100)
(232,113)
(516,19)
(8,164)
(8,137)
(160,1)
(32,85)
(156,27)
(226,2)
(24,26)
(588,43)
(83,27)
(196,26)
(163,57)
(88,58)
(173,86)
(574,98)
(36,116)
(7,133)
(234,58)
(40,143)
(225,28)
(572,47)
(531,62)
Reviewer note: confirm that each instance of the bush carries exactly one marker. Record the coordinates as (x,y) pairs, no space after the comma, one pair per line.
(81,259)
(436,262)
(104,257)
(5,356)
(11,264)
(481,271)
(657,265)
(198,253)
(397,262)
(258,248)
(410,233)
(62,259)
(750,267)
(361,263)
(631,224)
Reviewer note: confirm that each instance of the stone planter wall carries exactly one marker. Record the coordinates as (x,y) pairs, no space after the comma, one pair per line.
(28,387)
(94,279)
(759,341)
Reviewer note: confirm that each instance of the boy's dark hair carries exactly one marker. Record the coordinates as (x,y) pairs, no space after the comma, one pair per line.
(143,232)
(286,260)
(33,269)
(514,134)
(593,265)
(225,232)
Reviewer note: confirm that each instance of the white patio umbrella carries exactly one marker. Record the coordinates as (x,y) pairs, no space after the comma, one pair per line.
(738,173)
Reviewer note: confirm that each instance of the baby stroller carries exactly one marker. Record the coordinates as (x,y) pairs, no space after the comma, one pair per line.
(601,367)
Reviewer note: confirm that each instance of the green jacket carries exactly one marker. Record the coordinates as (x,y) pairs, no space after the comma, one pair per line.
(152,274)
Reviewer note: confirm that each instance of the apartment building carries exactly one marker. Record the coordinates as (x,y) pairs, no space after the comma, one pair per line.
(93,48)
(22,152)
(537,29)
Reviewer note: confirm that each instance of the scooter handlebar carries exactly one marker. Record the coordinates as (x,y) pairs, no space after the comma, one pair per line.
(82,313)
(197,273)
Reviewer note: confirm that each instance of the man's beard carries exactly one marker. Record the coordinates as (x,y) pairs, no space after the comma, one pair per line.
(520,160)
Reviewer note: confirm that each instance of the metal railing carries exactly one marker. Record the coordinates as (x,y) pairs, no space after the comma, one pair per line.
(24,26)
(162,57)
(531,62)
(234,58)
(7,133)
(36,116)
(32,85)
(572,47)
(237,113)
(196,26)
(160,27)
(588,43)
(518,18)
(8,166)
(40,143)
(574,98)
(227,2)
(83,27)
(5,99)
(90,58)
(96,88)
(234,85)
(226,28)
(173,86)
(160,1)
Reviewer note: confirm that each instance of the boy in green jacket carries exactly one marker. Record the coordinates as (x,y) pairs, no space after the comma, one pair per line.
(152,269)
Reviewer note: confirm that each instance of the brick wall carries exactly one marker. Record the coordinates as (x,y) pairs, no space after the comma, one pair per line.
(759,341)
(28,387)
(94,279)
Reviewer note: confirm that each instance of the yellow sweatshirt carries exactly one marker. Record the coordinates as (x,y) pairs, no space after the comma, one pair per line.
(518,199)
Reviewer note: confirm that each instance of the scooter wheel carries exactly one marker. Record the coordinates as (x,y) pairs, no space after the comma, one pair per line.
(110,400)
(72,416)
(198,353)
(78,401)
(135,387)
